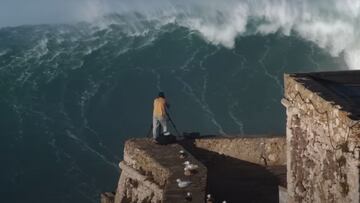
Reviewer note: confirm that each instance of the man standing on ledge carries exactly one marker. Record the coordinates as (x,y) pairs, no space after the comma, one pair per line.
(160,115)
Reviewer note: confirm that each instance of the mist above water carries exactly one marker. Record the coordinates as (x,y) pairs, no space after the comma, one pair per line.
(333,25)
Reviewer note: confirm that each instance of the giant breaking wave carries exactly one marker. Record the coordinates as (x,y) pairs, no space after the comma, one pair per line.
(72,93)
(333,25)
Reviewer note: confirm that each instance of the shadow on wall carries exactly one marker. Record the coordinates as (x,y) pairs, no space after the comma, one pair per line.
(235,180)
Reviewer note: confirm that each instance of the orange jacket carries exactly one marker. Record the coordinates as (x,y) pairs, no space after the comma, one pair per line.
(159,107)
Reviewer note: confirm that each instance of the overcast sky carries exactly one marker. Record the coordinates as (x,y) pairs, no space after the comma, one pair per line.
(19,12)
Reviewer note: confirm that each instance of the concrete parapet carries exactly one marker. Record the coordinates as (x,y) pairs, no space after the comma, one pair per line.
(149,173)
(258,149)
(238,170)
(230,168)
(323,136)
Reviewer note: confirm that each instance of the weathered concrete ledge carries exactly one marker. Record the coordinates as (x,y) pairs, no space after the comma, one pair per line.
(242,169)
(257,149)
(149,173)
(231,168)
(323,136)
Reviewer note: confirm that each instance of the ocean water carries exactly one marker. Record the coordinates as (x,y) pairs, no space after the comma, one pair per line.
(71,94)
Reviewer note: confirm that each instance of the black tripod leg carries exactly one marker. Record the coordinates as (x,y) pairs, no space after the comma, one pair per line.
(172,123)
(150,130)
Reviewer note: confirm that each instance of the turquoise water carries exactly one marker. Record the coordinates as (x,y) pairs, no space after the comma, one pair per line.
(72,94)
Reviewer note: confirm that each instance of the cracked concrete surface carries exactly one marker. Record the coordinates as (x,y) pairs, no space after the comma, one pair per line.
(323,144)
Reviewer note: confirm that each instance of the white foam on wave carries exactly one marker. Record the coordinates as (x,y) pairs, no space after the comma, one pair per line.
(332,24)
(40,49)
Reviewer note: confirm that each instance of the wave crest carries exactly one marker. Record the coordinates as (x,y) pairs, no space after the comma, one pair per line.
(332,25)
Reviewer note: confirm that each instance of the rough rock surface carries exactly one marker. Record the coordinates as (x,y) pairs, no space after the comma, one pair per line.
(236,167)
(322,142)
(149,173)
(239,170)
(258,149)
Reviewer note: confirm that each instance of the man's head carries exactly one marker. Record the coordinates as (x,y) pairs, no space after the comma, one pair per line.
(161,94)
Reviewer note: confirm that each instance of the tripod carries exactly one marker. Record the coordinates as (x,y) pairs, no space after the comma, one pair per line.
(172,123)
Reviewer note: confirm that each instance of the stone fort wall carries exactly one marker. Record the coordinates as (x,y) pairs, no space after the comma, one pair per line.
(323,145)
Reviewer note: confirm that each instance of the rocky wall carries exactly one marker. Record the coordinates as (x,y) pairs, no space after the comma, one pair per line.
(322,146)
(149,173)
(258,150)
